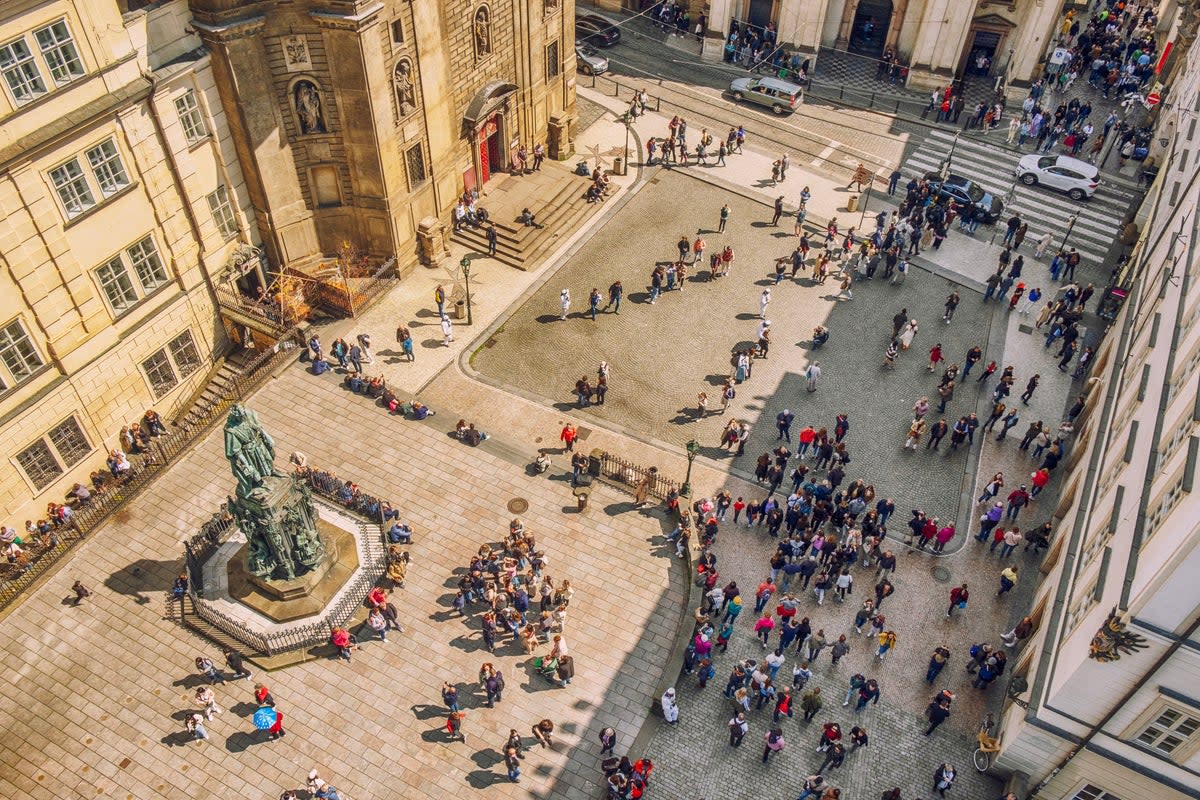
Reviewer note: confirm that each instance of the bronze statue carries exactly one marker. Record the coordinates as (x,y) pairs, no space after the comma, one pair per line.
(273,510)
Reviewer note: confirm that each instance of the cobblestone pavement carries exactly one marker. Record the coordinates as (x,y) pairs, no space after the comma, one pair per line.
(95,697)
(694,331)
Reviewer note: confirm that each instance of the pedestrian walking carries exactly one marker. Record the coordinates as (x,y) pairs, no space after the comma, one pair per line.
(937,712)
(738,727)
(206,698)
(564,302)
(447,334)
(943,778)
(1008,579)
(724,218)
(812,375)
(773,743)
(195,726)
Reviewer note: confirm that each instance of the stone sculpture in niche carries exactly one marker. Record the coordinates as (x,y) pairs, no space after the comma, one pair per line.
(406,92)
(483,32)
(308,107)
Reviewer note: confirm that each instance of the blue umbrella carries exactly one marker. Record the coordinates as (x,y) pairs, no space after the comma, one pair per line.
(264,718)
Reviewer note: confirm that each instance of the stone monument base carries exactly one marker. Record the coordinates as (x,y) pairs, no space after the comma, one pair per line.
(305,595)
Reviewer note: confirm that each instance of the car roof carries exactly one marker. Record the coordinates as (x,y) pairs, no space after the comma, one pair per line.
(1078,165)
(595,19)
(775,83)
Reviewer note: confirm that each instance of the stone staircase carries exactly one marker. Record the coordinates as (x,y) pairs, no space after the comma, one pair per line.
(556,197)
(218,387)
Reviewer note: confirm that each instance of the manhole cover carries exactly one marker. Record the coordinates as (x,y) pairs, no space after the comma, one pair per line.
(940,574)
(519,505)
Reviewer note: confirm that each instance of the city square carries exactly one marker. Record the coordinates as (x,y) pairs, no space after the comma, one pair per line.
(1067,673)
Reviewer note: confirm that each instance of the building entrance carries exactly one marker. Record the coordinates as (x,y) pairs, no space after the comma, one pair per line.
(870,29)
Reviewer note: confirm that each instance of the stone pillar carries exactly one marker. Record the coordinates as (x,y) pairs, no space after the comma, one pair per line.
(558,143)
(431,241)
(720,12)
(895,24)
(939,43)
(846,28)
(801,23)
(1030,42)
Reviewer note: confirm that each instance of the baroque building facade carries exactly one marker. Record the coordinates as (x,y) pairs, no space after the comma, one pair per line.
(937,39)
(1103,704)
(146,146)
(364,120)
(120,195)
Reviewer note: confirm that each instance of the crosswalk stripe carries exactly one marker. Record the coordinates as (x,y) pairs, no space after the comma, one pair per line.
(1045,210)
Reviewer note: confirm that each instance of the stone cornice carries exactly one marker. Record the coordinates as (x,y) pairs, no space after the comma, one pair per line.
(351,22)
(229,31)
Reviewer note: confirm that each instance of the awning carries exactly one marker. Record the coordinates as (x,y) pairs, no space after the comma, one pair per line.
(486,100)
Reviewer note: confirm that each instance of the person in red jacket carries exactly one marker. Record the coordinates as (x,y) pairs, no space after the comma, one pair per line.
(806,439)
(277,730)
(1039,481)
(567,437)
(958,598)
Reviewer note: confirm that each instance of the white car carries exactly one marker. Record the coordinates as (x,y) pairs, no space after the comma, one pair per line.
(1078,179)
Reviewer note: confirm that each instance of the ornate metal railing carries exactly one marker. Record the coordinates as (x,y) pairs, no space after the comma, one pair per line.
(629,475)
(216,532)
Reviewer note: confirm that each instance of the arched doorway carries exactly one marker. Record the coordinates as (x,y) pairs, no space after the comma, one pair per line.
(870,28)
(488,127)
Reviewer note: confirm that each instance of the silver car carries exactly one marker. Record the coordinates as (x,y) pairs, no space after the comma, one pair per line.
(779,96)
(589,61)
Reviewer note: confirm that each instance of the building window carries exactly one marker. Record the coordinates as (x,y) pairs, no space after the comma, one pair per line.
(414,159)
(72,187)
(168,366)
(127,278)
(184,354)
(106,166)
(21,72)
(1089,792)
(17,351)
(116,285)
(222,213)
(1169,731)
(397,31)
(70,181)
(147,265)
(39,464)
(553,62)
(59,52)
(188,111)
(51,455)
(70,442)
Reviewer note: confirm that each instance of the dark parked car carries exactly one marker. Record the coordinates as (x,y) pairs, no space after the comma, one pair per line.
(966,192)
(595,29)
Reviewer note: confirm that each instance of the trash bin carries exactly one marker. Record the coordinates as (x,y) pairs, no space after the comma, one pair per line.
(581,496)
(594,459)
(460,307)
(618,166)
(852,204)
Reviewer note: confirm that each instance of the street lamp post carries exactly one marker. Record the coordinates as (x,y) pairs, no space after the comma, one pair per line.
(1070,227)
(693,447)
(466,270)
(950,156)
(625,118)
(866,197)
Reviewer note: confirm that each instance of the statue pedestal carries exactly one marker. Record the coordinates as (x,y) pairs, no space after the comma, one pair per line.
(304,596)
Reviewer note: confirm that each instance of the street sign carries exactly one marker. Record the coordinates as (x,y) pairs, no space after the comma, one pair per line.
(1153,98)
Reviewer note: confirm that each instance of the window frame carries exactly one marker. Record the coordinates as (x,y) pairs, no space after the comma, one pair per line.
(223,215)
(553,65)
(8,344)
(191,117)
(1188,745)
(73,182)
(419,149)
(132,262)
(56,48)
(1090,791)
(108,168)
(22,65)
(55,462)
(167,361)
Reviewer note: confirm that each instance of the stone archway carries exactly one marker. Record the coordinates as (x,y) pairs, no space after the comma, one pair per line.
(487,125)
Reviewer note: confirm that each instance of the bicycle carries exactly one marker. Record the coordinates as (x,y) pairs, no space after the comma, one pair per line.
(983,754)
